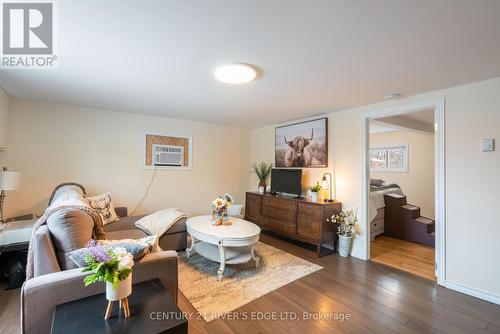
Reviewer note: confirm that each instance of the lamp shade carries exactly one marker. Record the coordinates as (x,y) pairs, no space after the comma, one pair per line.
(9,180)
(324,184)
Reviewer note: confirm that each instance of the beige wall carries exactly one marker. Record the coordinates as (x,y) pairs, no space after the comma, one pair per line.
(50,144)
(418,182)
(472,182)
(4,110)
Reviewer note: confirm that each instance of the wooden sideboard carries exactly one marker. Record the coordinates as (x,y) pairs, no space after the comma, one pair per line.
(294,218)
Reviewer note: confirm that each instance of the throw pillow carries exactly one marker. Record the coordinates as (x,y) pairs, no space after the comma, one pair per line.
(160,221)
(137,247)
(376,182)
(103,204)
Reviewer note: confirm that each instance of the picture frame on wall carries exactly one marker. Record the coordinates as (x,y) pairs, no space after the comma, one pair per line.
(302,145)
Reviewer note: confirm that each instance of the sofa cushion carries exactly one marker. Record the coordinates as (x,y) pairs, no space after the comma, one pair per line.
(126,234)
(45,261)
(128,223)
(179,226)
(70,229)
(124,223)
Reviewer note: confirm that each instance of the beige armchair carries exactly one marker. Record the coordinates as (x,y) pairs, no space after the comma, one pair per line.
(55,283)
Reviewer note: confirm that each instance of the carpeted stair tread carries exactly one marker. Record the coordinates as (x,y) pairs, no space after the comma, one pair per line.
(412,209)
(424,220)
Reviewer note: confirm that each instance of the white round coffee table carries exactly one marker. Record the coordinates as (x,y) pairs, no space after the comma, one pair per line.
(229,244)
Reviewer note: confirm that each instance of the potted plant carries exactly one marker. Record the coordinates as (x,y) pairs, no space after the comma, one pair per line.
(220,205)
(347,221)
(112,266)
(262,170)
(314,191)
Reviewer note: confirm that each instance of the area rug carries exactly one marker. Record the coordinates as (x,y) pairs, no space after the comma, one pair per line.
(242,283)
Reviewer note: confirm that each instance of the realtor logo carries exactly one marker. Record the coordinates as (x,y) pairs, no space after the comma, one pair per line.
(28,35)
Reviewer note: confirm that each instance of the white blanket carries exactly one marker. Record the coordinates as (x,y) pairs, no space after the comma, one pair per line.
(160,221)
(377,200)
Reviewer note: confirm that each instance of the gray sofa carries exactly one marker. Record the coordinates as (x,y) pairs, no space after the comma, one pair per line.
(57,281)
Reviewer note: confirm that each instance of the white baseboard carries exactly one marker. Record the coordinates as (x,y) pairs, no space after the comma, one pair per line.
(493,298)
(359,255)
(328,245)
(353,254)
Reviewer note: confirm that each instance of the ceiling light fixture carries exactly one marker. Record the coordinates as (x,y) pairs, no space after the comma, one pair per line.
(392,96)
(235,73)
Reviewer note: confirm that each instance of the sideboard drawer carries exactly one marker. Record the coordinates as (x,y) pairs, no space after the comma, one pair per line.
(280,203)
(310,209)
(280,225)
(253,208)
(309,226)
(279,213)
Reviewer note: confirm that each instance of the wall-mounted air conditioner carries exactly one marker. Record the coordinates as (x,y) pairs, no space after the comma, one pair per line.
(168,155)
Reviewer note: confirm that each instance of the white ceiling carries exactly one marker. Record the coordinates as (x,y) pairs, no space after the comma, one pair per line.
(425,117)
(157,57)
(420,121)
(379,127)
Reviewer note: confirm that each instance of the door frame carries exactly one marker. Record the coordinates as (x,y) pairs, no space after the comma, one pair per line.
(439,175)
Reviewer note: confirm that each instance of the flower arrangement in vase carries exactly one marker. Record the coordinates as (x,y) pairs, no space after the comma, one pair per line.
(220,205)
(112,266)
(347,221)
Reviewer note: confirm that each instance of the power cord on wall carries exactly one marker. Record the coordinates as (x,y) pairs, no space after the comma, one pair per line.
(146,193)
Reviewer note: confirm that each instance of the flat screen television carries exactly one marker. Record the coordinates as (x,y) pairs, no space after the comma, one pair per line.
(286,181)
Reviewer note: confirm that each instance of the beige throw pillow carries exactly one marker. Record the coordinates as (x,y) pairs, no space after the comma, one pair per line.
(103,204)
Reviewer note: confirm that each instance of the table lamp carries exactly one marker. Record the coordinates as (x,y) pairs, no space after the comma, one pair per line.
(8,181)
(327,186)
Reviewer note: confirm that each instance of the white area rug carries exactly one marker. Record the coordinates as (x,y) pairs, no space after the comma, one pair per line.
(241,284)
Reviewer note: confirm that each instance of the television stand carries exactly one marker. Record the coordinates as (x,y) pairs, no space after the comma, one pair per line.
(294,218)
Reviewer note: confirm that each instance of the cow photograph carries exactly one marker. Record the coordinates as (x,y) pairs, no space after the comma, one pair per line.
(302,144)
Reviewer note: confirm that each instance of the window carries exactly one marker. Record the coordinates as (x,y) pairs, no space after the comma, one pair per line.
(389,159)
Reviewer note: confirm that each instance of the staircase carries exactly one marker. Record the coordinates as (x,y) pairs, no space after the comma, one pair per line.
(403,221)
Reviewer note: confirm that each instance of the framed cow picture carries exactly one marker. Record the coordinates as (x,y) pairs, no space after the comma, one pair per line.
(302,144)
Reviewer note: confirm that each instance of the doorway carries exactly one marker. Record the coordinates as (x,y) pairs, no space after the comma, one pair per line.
(404,216)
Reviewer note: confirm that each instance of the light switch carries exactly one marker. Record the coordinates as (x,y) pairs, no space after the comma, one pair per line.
(488,145)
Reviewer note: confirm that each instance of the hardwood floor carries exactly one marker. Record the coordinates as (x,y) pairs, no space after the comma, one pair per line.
(9,310)
(377,299)
(407,256)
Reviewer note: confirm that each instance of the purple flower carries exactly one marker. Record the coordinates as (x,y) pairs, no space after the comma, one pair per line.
(97,252)
(91,243)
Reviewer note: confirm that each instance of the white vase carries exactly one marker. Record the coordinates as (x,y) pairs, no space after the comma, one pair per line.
(314,196)
(344,245)
(123,290)
(262,190)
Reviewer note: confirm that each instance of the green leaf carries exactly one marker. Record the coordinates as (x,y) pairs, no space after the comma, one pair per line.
(262,170)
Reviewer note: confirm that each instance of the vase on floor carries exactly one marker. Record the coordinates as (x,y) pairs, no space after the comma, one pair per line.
(344,245)
(123,289)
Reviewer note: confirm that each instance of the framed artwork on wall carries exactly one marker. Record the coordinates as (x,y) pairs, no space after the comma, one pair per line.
(302,144)
(392,158)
